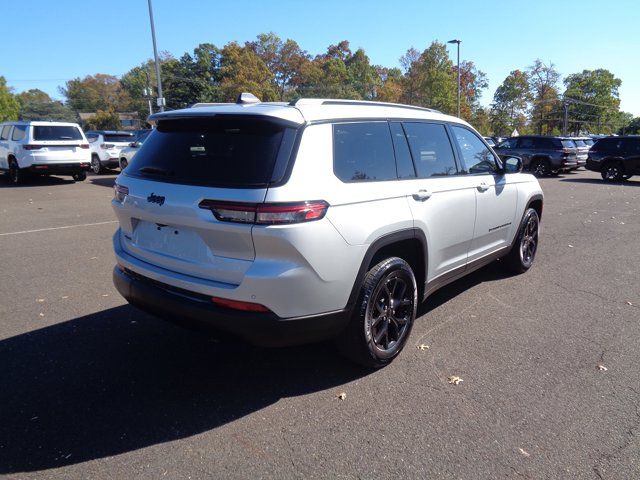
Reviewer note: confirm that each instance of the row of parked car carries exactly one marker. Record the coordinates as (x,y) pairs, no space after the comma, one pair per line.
(58,148)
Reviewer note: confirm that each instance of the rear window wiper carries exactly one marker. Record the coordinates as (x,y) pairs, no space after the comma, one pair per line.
(155,171)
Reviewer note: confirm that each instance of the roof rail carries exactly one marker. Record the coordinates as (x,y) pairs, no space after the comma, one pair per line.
(319,101)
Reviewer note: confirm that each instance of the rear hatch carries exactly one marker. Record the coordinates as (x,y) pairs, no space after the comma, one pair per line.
(115,142)
(181,164)
(569,149)
(57,144)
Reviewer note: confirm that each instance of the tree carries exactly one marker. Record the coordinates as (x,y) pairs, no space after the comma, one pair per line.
(328,76)
(593,99)
(632,128)
(510,102)
(38,105)
(481,120)
(391,88)
(9,106)
(104,120)
(547,107)
(242,70)
(363,75)
(96,92)
(472,82)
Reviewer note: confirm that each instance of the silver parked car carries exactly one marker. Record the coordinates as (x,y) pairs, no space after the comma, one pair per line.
(291,223)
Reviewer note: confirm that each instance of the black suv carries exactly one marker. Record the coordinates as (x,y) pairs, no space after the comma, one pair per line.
(616,158)
(542,155)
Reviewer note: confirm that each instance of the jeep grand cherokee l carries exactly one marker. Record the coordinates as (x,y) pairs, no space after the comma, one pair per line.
(291,223)
(616,158)
(542,155)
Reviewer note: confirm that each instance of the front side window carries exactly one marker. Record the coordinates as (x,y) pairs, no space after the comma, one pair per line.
(19,132)
(363,152)
(431,149)
(476,156)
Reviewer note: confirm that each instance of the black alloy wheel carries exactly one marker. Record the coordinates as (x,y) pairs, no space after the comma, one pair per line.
(540,168)
(523,251)
(612,172)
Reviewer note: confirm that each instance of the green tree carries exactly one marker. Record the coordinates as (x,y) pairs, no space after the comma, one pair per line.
(363,75)
(104,120)
(632,128)
(327,75)
(510,102)
(481,120)
(546,110)
(9,106)
(96,92)
(38,105)
(594,101)
(392,83)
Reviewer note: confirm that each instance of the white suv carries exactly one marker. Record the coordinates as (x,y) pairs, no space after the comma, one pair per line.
(105,148)
(43,148)
(290,223)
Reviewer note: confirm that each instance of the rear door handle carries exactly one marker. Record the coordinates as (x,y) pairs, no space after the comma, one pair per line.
(483,187)
(421,195)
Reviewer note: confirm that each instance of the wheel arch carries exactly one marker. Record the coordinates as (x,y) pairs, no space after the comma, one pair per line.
(536,202)
(409,244)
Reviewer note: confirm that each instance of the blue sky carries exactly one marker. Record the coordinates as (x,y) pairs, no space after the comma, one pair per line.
(46,42)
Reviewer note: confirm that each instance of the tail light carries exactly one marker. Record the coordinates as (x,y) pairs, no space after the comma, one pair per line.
(84,145)
(106,146)
(32,147)
(266,213)
(237,305)
(120,192)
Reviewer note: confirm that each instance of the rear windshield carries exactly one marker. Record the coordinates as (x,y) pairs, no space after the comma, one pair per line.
(57,132)
(110,137)
(568,144)
(224,152)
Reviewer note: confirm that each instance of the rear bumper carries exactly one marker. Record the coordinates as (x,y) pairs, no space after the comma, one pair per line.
(194,310)
(59,168)
(593,166)
(110,162)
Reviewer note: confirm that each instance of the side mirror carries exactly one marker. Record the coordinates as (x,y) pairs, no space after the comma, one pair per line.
(512,164)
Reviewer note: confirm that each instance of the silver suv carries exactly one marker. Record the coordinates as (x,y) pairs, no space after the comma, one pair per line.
(291,223)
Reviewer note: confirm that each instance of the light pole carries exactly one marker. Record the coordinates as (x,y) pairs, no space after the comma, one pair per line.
(161,101)
(456,41)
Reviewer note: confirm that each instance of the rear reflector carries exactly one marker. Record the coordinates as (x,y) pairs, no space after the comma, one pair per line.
(266,213)
(237,305)
(32,147)
(84,145)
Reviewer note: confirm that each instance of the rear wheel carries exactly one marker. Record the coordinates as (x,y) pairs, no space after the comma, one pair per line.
(16,176)
(123,163)
(96,166)
(523,252)
(540,167)
(79,177)
(384,315)
(612,172)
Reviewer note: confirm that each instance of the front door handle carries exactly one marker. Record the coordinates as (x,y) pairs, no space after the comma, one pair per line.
(483,187)
(421,195)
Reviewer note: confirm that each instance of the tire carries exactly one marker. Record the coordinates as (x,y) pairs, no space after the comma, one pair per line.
(383,316)
(16,176)
(523,252)
(80,177)
(96,166)
(626,176)
(612,172)
(540,167)
(123,163)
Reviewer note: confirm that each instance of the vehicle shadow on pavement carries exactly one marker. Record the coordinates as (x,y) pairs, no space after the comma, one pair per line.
(119,380)
(103,181)
(595,181)
(36,181)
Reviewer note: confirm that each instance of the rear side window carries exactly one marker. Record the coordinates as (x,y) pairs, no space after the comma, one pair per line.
(108,137)
(526,143)
(56,132)
(363,152)
(510,143)
(403,155)
(19,132)
(5,132)
(632,146)
(431,149)
(543,143)
(607,144)
(221,152)
(477,157)
(580,143)
(568,144)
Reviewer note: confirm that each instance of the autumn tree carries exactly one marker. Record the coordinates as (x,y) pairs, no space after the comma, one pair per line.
(390,89)
(510,103)
(103,120)
(472,83)
(9,106)
(242,70)
(546,108)
(96,92)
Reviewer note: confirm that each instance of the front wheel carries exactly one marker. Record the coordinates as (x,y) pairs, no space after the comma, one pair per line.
(123,163)
(79,177)
(612,172)
(523,252)
(540,168)
(383,316)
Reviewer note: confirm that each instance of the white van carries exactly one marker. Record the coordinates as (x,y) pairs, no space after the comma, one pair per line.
(43,148)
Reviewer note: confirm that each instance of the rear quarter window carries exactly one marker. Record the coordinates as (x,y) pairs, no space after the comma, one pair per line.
(4,134)
(19,132)
(568,144)
(363,152)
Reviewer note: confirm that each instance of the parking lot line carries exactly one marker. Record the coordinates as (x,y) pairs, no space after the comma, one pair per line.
(58,228)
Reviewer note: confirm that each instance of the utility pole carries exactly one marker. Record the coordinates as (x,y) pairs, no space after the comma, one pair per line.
(161,100)
(458,42)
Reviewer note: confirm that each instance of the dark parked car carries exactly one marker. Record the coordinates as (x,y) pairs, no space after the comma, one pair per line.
(616,158)
(541,155)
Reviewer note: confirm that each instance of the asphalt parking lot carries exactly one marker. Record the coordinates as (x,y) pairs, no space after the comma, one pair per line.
(92,388)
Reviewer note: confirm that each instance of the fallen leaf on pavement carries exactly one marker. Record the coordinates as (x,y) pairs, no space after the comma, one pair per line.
(65,296)
(629,303)
(40,300)
(454,380)
(423,347)
(570,246)
(342,396)
(105,294)
(602,368)
(524,452)
(41,314)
